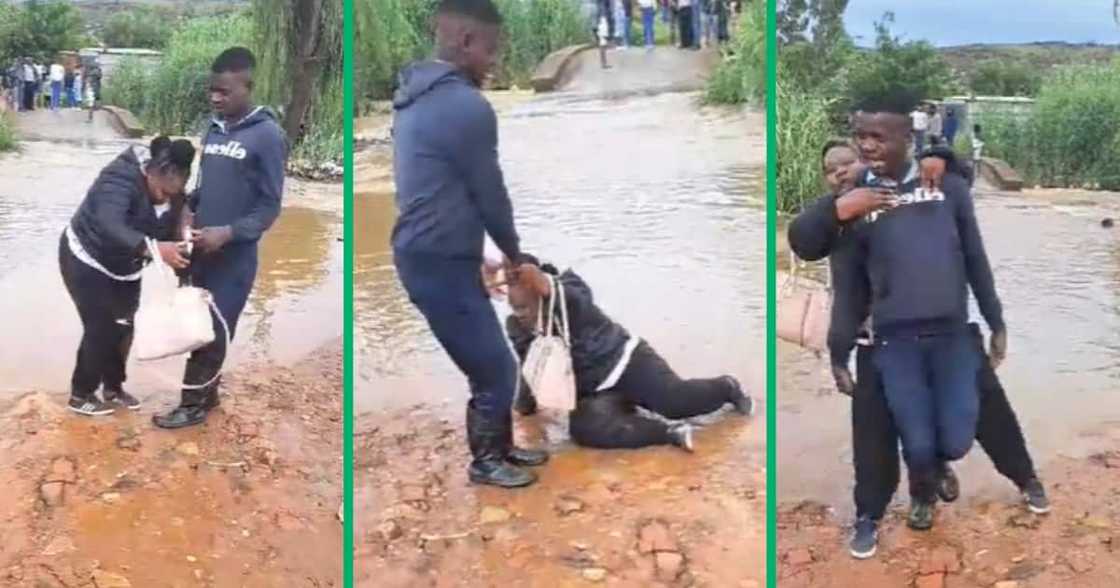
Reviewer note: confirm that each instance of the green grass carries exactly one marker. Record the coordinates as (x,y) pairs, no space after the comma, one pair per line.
(741,75)
(803,126)
(9,141)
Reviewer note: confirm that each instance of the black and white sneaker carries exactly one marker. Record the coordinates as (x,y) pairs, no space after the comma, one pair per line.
(865,538)
(681,436)
(91,406)
(1035,497)
(122,398)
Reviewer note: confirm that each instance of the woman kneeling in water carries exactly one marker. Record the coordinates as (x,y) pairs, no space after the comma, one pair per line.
(614,371)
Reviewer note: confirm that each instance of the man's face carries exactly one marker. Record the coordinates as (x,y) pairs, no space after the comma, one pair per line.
(480,48)
(883,139)
(841,166)
(230,93)
(524,303)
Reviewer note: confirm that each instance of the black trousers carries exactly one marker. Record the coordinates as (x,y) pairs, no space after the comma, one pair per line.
(609,419)
(684,20)
(106,308)
(875,439)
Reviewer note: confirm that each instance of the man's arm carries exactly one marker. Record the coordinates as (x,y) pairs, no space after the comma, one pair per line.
(977,268)
(813,233)
(476,157)
(271,160)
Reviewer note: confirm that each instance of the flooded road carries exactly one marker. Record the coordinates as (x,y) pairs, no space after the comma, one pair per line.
(659,205)
(296,304)
(1058,274)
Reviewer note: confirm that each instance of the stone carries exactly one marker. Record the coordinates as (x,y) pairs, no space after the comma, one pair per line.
(493,514)
(1079,562)
(413,493)
(59,545)
(1006,584)
(103,579)
(930,581)
(62,470)
(940,560)
(594,574)
(389,531)
(52,493)
(799,557)
(567,505)
(653,537)
(188,448)
(670,564)
(111,497)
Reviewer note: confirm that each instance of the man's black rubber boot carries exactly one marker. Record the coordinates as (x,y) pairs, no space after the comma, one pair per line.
(948,487)
(525,404)
(488,448)
(182,416)
(518,455)
(921,515)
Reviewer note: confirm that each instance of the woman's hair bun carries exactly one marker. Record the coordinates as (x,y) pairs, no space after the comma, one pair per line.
(159,145)
(182,153)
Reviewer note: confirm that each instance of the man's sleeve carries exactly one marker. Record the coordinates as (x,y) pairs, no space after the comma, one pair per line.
(476,157)
(977,268)
(851,298)
(813,232)
(271,161)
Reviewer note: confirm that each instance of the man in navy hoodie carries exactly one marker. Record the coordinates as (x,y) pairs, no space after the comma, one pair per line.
(241,179)
(919,259)
(450,192)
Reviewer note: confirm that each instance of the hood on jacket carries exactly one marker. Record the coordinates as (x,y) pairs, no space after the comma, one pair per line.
(419,79)
(255,116)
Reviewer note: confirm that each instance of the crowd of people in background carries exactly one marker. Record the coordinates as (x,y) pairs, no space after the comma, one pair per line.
(27,85)
(692,24)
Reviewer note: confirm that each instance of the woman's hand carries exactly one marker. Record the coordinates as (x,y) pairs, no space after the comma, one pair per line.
(172,254)
(532,276)
(932,172)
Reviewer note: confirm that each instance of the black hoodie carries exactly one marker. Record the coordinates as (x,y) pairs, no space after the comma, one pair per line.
(117,214)
(597,342)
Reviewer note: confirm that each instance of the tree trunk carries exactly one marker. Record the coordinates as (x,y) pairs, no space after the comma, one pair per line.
(306,63)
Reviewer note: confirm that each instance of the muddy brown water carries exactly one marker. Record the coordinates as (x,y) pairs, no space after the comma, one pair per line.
(1058,274)
(296,304)
(658,205)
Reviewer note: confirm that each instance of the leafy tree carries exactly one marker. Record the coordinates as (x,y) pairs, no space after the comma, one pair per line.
(142,27)
(912,67)
(1002,78)
(40,29)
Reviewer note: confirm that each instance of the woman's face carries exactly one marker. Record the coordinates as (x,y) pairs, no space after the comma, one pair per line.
(162,187)
(524,303)
(841,165)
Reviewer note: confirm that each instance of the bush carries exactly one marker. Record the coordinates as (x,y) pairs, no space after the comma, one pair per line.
(1003,78)
(741,75)
(141,27)
(804,124)
(913,67)
(8,139)
(1071,138)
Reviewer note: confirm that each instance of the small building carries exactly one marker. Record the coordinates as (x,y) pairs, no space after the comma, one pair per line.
(970,110)
(109,58)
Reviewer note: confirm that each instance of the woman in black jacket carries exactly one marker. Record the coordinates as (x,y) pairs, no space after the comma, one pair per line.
(137,198)
(615,372)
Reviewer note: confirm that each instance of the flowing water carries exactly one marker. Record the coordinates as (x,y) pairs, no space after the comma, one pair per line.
(1058,274)
(296,303)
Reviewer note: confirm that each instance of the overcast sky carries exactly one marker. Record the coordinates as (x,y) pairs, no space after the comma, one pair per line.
(962,22)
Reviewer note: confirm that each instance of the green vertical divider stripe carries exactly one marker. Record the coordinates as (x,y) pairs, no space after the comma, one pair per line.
(771,294)
(348,294)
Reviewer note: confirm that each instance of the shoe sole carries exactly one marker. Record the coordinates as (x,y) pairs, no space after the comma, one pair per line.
(182,426)
(488,482)
(136,406)
(105,412)
(864,554)
(914,527)
(1037,510)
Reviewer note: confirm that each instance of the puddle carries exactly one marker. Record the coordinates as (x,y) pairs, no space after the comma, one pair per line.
(1058,274)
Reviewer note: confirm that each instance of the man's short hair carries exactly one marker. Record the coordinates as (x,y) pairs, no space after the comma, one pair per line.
(833,144)
(895,101)
(234,60)
(484,11)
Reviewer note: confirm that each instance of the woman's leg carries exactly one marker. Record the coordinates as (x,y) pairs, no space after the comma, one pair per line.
(651,383)
(125,301)
(609,421)
(91,293)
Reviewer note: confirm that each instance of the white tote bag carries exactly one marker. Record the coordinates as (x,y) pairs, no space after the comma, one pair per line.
(548,363)
(804,310)
(173,319)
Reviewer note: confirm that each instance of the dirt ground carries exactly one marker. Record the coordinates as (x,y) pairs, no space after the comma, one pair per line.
(653,517)
(249,499)
(977,543)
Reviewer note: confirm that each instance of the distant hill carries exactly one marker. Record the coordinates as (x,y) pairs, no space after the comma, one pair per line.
(1041,55)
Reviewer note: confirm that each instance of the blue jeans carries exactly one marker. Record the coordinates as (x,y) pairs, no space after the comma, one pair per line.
(450,295)
(697,22)
(56,95)
(931,387)
(648,15)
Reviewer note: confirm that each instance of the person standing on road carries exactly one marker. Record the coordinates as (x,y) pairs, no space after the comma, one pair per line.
(30,77)
(935,126)
(58,80)
(649,15)
(137,199)
(950,128)
(241,171)
(919,124)
(699,9)
(76,89)
(684,18)
(450,194)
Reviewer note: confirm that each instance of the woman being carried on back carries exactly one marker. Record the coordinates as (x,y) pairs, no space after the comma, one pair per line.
(615,372)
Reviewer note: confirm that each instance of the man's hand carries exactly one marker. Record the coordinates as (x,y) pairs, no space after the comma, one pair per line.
(844,381)
(186,221)
(532,276)
(172,254)
(998,349)
(932,172)
(862,201)
(492,279)
(212,239)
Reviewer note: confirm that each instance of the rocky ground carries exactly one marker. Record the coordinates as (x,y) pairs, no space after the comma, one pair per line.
(653,517)
(250,499)
(975,543)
